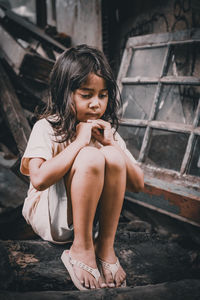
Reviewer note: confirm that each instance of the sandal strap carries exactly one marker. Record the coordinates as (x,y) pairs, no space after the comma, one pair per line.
(94,272)
(113,268)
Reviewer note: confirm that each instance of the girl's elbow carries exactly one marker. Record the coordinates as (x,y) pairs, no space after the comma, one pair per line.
(136,186)
(139,183)
(38,184)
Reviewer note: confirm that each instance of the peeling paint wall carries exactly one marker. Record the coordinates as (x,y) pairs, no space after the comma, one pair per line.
(81,19)
(129,18)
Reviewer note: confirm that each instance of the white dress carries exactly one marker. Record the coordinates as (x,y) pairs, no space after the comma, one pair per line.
(46,211)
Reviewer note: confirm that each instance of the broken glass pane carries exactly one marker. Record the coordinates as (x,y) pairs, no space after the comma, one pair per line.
(194,168)
(147,62)
(185,60)
(137,101)
(166,149)
(178,103)
(133,136)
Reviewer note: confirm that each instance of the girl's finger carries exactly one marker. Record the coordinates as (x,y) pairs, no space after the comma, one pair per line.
(103,123)
(96,131)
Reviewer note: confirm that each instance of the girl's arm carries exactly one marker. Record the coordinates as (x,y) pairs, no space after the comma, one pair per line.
(135,177)
(44,173)
(134,174)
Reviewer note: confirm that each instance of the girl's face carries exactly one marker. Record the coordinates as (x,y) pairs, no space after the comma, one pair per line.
(91,98)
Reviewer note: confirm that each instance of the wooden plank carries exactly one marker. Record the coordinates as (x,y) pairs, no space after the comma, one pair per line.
(13,112)
(21,25)
(126,58)
(148,209)
(187,200)
(11,50)
(183,80)
(36,67)
(22,61)
(164,39)
(179,195)
(167,126)
(140,80)
(134,122)
(170,43)
(173,176)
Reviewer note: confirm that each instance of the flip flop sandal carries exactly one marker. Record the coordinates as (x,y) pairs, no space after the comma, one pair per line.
(70,262)
(113,268)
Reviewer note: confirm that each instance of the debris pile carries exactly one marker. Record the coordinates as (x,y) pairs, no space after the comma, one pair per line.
(27,54)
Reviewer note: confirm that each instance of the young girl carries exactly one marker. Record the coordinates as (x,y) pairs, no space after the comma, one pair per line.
(76,160)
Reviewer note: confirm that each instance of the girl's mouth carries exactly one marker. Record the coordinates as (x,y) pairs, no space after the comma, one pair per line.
(93,115)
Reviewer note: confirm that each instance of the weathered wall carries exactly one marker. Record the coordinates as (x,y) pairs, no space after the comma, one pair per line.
(81,20)
(139,17)
(165,16)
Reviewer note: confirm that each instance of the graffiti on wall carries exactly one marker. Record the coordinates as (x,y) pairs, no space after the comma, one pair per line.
(184,14)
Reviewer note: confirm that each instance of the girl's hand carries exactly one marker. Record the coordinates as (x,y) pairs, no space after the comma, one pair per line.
(84,133)
(102,132)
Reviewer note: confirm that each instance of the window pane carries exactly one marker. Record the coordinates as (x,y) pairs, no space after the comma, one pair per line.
(178,103)
(194,168)
(137,101)
(185,60)
(167,149)
(147,62)
(133,136)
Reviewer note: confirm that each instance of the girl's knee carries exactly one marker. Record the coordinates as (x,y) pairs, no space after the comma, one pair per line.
(90,159)
(113,158)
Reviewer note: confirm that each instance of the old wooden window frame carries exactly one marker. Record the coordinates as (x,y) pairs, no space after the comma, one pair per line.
(167,40)
(156,41)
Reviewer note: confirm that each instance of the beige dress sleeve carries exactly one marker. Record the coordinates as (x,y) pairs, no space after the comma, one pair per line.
(39,144)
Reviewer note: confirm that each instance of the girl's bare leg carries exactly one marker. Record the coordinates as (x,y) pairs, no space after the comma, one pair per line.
(110,207)
(85,182)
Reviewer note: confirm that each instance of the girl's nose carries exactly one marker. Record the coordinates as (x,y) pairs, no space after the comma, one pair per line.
(94,103)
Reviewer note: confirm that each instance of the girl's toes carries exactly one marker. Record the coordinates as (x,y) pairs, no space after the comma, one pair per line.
(102,283)
(94,284)
(119,279)
(109,280)
(118,282)
(110,283)
(86,283)
(122,279)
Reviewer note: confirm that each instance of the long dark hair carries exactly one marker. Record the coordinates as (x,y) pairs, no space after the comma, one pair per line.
(71,70)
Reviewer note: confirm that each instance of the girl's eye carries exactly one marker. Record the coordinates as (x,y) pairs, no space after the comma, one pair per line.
(85,96)
(103,96)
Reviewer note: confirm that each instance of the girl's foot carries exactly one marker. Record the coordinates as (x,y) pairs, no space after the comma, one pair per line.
(112,271)
(88,258)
